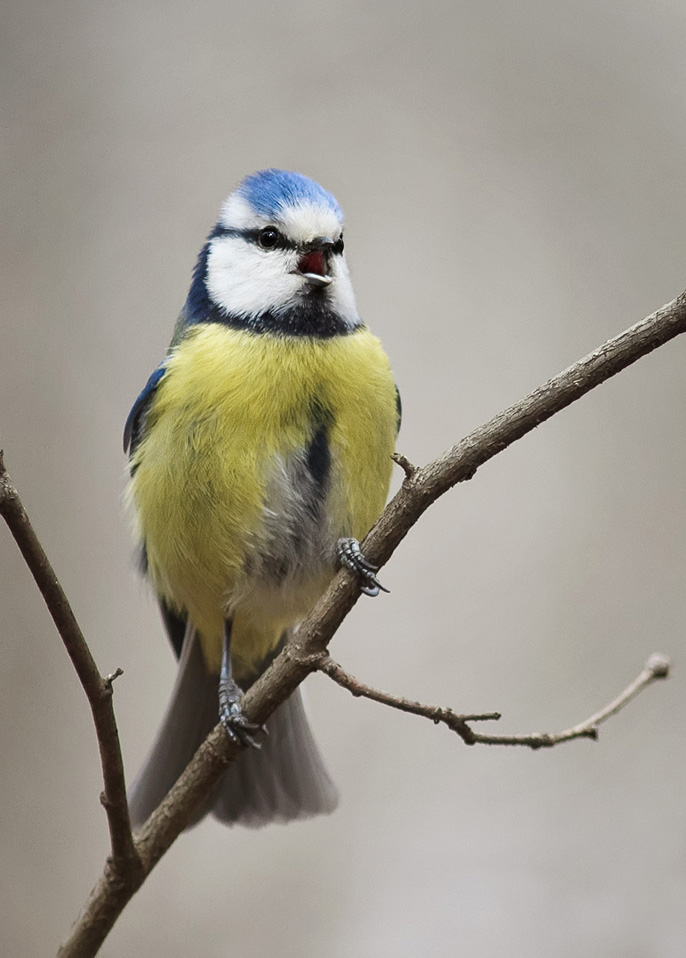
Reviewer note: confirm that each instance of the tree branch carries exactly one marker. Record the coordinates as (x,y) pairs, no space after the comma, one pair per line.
(657,667)
(423,486)
(303,654)
(437,714)
(124,859)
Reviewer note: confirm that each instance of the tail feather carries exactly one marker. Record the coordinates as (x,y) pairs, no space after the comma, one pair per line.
(191,714)
(285,779)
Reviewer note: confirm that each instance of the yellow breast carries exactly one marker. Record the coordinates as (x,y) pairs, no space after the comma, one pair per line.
(231,415)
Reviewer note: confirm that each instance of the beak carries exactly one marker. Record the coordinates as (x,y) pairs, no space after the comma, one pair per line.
(313,264)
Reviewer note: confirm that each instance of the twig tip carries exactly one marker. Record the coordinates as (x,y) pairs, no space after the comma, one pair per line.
(407,467)
(659,665)
(111,677)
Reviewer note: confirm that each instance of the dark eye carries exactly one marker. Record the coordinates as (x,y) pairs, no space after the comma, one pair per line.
(268,238)
(338,245)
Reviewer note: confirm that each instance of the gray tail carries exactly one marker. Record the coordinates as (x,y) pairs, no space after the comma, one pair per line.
(283,780)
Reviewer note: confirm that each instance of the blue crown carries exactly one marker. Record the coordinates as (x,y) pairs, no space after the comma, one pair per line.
(269,192)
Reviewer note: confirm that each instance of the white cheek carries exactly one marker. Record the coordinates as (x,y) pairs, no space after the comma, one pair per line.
(341,292)
(245,280)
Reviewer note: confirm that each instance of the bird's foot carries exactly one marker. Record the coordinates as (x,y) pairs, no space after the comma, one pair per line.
(350,555)
(232,717)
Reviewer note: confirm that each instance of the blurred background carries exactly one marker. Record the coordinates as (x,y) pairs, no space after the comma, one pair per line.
(513,179)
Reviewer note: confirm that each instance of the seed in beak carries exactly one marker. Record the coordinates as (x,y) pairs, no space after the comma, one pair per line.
(314,266)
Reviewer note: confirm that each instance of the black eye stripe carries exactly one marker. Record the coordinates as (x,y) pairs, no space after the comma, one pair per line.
(253,236)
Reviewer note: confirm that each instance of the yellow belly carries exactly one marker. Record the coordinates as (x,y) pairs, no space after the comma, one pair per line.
(218,476)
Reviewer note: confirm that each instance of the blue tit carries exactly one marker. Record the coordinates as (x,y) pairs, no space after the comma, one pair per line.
(260,452)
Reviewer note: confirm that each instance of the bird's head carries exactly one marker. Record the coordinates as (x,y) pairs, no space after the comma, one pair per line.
(275,260)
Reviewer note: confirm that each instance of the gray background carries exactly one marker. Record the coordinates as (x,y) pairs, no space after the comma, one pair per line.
(513,178)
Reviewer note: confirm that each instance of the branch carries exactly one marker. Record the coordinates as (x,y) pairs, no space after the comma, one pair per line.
(423,486)
(124,858)
(657,667)
(303,654)
(437,714)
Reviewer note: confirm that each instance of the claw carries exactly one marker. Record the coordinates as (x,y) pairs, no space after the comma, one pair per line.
(350,555)
(231,715)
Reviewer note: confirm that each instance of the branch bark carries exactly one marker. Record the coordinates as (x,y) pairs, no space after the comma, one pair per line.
(131,861)
(438,714)
(657,667)
(124,860)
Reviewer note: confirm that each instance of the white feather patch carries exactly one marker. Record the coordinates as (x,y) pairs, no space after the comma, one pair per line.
(245,280)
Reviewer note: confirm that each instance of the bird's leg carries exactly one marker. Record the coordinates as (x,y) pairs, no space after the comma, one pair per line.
(237,727)
(350,555)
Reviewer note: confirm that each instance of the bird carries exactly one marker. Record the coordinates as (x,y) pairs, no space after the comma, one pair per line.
(259,455)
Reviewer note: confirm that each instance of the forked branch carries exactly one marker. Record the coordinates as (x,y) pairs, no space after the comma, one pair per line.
(657,667)
(132,860)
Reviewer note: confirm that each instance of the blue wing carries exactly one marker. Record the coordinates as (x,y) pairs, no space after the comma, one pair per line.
(133,430)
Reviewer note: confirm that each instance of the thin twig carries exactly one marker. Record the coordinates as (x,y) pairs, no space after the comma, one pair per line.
(109,679)
(124,858)
(657,667)
(407,467)
(437,714)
